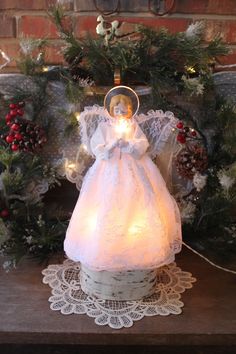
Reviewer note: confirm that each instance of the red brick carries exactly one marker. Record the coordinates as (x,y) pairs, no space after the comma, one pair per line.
(172,24)
(28,4)
(53,55)
(229,59)
(220,7)
(230,31)
(86,24)
(226,29)
(37,27)
(7,27)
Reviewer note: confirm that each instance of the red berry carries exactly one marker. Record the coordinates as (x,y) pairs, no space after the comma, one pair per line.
(181,138)
(15,147)
(13,106)
(180,125)
(13,113)
(18,136)
(9,139)
(9,123)
(193,133)
(4,213)
(8,117)
(20,112)
(15,127)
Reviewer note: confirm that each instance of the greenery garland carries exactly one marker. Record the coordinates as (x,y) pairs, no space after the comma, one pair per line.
(175,66)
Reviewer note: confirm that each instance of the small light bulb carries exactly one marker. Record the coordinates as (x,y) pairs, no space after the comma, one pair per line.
(191,70)
(84,147)
(71,165)
(77,115)
(45,69)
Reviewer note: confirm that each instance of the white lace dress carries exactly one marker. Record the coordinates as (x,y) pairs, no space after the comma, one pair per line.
(125,217)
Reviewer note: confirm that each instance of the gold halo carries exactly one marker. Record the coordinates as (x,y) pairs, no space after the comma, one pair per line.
(122,90)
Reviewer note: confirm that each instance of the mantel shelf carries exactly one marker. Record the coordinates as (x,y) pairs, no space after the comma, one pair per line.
(208,318)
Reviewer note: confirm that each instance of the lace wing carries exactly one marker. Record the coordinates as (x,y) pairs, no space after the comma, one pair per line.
(77,164)
(89,120)
(159,128)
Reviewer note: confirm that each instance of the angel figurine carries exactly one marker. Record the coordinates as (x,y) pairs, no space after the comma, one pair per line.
(125,217)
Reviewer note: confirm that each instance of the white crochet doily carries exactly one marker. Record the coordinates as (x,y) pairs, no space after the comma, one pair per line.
(68,297)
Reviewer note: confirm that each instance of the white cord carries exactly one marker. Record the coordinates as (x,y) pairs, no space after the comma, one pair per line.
(207,260)
(226,66)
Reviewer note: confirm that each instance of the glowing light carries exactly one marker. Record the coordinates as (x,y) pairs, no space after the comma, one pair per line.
(135,229)
(71,165)
(92,222)
(77,115)
(84,147)
(45,69)
(191,70)
(122,127)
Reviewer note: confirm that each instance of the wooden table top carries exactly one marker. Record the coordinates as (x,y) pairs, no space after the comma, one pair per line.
(208,318)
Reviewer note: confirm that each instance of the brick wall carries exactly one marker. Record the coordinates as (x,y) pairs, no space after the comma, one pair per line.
(30,17)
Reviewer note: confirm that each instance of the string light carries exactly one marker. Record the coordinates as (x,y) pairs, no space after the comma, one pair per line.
(71,165)
(84,147)
(191,70)
(45,69)
(77,115)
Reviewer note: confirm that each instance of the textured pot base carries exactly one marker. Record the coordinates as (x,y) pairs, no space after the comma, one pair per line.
(125,285)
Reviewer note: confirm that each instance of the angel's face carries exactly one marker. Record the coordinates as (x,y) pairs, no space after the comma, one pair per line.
(121,110)
(121,107)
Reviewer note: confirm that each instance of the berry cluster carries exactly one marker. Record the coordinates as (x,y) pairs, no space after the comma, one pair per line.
(23,134)
(184,133)
(4,213)
(191,159)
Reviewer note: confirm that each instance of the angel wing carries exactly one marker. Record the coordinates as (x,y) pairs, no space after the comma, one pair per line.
(77,164)
(160,130)
(158,126)
(89,120)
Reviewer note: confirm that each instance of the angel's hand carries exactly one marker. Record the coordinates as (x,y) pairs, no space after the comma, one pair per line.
(113,145)
(110,148)
(122,143)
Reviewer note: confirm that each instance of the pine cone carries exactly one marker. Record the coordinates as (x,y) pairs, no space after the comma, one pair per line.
(190,160)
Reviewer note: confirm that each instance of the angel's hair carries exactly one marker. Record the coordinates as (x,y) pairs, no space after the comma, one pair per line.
(115,100)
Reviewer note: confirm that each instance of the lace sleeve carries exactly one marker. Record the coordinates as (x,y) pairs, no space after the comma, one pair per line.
(138,144)
(100,147)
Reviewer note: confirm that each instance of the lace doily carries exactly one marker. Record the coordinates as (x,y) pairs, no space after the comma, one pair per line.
(68,297)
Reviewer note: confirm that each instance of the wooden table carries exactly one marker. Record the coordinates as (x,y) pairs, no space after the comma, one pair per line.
(207,324)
